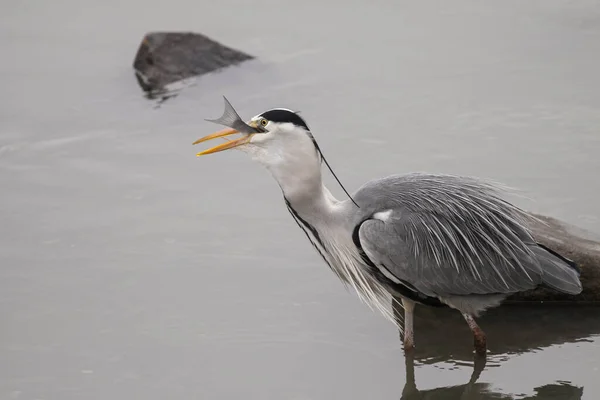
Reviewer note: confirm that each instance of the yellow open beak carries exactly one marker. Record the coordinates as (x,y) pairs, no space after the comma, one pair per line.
(230,144)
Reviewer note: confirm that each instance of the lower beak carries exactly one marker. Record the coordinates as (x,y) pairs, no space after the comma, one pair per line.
(230,144)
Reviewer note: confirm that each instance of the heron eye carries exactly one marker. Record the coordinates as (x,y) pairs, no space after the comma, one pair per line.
(263,122)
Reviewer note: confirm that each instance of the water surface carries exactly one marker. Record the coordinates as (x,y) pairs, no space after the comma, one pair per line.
(129,268)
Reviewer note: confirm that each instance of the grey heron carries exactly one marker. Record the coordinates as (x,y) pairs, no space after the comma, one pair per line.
(430,239)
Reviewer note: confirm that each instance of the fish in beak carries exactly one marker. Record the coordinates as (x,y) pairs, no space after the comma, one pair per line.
(235,124)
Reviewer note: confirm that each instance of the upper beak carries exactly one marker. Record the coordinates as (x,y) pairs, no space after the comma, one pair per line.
(230,144)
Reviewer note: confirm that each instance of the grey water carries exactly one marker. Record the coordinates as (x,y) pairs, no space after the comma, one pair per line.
(129,268)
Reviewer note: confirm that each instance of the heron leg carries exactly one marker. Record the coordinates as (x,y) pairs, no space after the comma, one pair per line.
(478,335)
(409,333)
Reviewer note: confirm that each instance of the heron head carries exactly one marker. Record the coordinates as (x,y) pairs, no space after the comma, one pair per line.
(280,140)
(270,137)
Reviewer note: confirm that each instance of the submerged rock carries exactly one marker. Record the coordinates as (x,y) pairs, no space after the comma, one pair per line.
(573,243)
(164,58)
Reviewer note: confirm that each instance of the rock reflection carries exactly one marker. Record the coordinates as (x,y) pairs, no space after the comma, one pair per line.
(473,390)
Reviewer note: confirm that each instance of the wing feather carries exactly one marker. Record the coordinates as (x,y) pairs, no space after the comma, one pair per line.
(449,236)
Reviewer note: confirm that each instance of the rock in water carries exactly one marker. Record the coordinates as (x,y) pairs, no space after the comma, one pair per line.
(575,244)
(164,58)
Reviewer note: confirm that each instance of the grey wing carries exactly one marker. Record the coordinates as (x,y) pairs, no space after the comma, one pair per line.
(449,235)
(440,256)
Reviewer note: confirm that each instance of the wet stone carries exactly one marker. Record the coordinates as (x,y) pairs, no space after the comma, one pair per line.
(164,58)
(573,243)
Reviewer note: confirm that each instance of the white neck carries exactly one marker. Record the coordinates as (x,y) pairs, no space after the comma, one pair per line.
(299,178)
(301,181)
(291,157)
(296,166)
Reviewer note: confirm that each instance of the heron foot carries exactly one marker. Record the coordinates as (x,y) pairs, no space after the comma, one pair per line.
(479,339)
(409,335)
(480,342)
